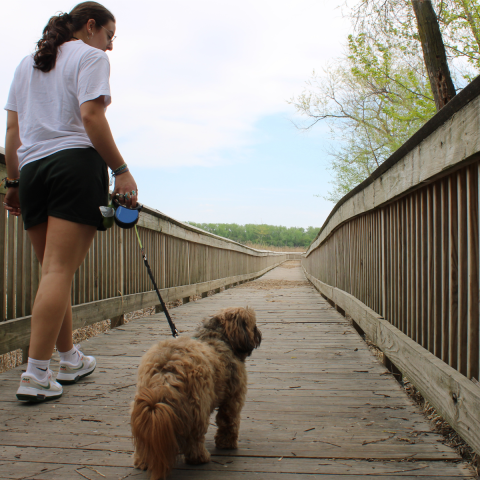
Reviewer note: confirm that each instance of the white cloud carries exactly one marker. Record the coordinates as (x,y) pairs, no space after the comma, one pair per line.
(190,79)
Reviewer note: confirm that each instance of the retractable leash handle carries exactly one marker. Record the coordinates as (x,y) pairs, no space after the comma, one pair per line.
(127,218)
(162,303)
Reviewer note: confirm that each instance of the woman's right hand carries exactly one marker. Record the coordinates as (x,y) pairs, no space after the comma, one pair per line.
(11,202)
(125,184)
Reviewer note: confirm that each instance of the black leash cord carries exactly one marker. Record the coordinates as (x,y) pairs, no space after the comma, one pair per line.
(162,303)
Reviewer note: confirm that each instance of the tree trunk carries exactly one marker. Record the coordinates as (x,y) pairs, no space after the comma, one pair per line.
(434,52)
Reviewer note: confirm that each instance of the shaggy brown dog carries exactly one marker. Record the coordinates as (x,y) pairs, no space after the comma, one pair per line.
(181,381)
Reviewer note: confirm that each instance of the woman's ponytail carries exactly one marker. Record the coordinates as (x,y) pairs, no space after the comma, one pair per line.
(60,29)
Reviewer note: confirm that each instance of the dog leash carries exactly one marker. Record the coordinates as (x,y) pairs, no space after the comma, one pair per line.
(170,322)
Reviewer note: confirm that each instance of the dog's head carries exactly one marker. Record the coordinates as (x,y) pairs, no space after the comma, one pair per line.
(240,329)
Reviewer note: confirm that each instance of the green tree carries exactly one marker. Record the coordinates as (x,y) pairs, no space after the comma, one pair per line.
(267,235)
(378,94)
(459,22)
(373,102)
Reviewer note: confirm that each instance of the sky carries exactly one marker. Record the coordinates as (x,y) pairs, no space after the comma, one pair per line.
(199,102)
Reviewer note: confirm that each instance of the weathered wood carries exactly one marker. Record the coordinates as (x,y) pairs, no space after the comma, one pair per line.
(3,270)
(455,397)
(319,405)
(473,327)
(453,270)
(16,333)
(462,272)
(241,466)
(117,321)
(441,140)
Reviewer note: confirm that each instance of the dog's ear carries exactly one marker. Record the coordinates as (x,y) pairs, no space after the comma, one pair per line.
(257,335)
(241,331)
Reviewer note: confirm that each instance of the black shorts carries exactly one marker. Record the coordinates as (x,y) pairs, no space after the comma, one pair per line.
(70,184)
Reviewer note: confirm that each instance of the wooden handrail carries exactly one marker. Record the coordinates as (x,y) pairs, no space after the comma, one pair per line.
(113,280)
(400,255)
(372,190)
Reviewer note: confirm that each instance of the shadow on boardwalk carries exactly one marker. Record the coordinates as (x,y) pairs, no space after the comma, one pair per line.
(319,405)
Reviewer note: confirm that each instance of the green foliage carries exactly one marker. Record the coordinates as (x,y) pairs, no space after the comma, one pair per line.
(459,22)
(378,94)
(373,102)
(267,235)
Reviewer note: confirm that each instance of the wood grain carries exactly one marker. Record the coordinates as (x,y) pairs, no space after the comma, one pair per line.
(319,405)
(456,398)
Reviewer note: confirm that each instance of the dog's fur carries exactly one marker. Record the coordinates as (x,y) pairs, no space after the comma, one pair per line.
(181,381)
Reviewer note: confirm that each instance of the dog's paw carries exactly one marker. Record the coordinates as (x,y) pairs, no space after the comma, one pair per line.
(141,466)
(226,445)
(200,459)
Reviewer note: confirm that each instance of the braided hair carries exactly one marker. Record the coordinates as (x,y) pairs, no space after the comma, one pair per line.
(60,29)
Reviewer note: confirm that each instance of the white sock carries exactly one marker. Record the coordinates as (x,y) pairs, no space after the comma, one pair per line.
(38,368)
(71,356)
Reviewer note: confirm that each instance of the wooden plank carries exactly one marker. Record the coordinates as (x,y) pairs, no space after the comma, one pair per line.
(412,270)
(417,336)
(27,275)
(19,258)
(400,265)
(473,331)
(10,267)
(423,340)
(384,263)
(462,338)
(437,274)
(16,333)
(445,272)
(453,270)
(430,300)
(348,418)
(3,270)
(456,398)
(240,465)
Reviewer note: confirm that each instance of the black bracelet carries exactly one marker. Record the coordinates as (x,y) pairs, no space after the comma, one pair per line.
(11,182)
(125,170)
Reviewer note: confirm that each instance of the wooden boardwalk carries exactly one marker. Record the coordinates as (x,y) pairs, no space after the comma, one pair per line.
(319,405)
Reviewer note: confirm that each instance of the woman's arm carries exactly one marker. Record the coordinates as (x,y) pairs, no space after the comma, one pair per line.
(12,144)
(98,130)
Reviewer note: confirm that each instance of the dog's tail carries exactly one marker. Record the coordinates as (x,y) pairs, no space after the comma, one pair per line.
(153,427)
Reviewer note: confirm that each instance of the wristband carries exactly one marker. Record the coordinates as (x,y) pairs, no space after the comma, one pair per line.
(125,170)
(120,169)
(11,182)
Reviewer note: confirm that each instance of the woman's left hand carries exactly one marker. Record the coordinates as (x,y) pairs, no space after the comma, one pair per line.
(11,202)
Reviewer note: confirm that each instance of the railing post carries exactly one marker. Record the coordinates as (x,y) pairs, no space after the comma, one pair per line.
(384,276)
(25,351)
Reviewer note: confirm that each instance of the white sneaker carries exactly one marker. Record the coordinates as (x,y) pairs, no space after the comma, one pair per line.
(33,390)
(70,373)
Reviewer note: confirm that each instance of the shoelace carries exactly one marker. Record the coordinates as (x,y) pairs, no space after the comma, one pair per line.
(78,346)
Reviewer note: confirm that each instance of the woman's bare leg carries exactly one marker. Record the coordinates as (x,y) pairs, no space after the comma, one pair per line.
(65,247)
(38,237)
(65,335)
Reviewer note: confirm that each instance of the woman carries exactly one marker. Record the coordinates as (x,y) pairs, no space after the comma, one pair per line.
(57,149)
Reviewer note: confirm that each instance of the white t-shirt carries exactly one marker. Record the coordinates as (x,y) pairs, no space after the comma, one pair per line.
(48,104)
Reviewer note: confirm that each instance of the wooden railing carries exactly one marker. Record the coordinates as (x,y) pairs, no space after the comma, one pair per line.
(400,255)
(113,280)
